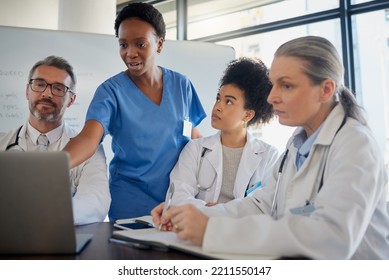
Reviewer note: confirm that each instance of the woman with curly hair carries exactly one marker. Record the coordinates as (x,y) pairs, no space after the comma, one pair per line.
(231,163)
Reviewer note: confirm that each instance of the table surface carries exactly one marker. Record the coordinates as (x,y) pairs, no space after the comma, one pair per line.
(100,248)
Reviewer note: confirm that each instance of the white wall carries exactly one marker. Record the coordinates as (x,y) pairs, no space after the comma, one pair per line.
(26,13)
(94,16)
(95,58)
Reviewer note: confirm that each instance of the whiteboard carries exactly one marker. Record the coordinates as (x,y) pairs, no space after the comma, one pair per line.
(95,58)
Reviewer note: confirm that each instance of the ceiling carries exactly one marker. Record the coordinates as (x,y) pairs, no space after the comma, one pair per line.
(202,9)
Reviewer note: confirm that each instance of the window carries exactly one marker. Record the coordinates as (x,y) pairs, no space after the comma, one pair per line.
(257,28)
(371,52)
(263,46)
(206,18)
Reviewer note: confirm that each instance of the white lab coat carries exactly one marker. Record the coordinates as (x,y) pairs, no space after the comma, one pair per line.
(349,219)
(89,182)
(256,162)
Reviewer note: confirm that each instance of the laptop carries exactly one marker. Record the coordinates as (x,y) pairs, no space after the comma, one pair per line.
(36,205)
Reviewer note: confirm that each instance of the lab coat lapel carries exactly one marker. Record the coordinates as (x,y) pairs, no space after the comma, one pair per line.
(22,138)
(251,158)
(215,155)
(66,136)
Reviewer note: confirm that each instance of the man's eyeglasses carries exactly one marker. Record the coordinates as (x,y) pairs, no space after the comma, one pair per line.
(40,85)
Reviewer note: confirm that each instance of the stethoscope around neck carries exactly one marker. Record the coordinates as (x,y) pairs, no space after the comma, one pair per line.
(202,187)
(280,169)
(14,145)
(274,203)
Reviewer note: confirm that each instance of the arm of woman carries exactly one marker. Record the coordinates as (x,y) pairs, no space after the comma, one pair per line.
(85,144)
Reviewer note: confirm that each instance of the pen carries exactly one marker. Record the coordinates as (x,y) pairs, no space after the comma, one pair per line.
(129,243)
(168,200)
(144,245)
(252,188)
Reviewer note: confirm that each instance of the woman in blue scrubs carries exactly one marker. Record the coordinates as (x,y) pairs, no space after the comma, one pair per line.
(148,110)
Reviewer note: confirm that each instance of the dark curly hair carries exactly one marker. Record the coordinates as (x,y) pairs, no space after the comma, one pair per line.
(145,12)
(251,76)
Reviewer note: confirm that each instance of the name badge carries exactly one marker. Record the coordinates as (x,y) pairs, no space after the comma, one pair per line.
(187,128)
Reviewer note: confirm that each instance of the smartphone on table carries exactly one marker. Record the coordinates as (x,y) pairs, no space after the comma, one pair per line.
(133,224)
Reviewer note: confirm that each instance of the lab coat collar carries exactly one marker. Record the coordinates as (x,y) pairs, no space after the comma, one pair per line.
(329,128)
(67,134)
(251,153)
(53,135)
(213,144)
(255,146)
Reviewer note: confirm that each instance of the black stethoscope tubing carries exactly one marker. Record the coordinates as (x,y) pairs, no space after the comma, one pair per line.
(274,204)
(16,143)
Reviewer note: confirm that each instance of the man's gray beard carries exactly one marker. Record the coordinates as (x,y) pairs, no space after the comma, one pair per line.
(48,118)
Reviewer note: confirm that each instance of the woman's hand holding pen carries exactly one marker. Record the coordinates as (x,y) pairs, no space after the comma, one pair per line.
(188,222)
(160,221)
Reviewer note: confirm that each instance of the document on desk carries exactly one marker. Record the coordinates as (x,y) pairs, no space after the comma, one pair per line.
(152,238)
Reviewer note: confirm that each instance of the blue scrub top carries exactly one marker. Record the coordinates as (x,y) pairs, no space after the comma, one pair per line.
(146,138)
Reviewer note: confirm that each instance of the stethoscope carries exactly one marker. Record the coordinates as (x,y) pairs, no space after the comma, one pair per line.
(15,146)
(274,203)
(200,187)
